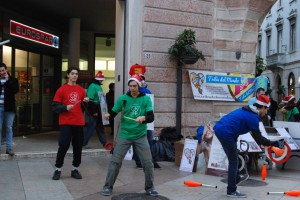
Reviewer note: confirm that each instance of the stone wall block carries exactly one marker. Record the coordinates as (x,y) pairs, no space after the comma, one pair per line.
(195,119)
(164,104)
(204,7)
(190,105)
(163,89)
(170,31)
(176,17)
(161,74)
(164,119)
(162,45)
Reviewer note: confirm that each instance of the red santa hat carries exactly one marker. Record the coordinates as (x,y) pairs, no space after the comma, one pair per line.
(136,78)
(263,100)
(100,76)
(137,69)
(288,99)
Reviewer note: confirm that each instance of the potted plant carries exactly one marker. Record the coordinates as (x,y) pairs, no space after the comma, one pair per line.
(184,50)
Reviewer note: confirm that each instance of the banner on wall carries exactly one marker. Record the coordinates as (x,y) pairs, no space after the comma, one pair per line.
(208,85)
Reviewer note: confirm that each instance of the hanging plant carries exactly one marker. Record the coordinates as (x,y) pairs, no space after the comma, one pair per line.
(184,47)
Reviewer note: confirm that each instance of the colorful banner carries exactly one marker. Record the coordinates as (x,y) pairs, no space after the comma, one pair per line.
(207,85)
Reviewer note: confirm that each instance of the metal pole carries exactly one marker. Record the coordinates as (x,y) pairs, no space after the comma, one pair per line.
(179,98)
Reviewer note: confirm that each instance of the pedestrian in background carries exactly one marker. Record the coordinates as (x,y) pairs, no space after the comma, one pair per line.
(8,88)
(94,111)
(239,122)
(110,98)
(137,111)
(67,103)
(290,109)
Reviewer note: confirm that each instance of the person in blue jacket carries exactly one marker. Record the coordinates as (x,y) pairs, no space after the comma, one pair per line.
(238,122)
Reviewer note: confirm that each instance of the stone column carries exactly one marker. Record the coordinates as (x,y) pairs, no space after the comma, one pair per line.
(74,42)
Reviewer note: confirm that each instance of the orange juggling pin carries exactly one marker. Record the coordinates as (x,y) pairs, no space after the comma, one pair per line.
(289,193)
(264,172)
(191,183)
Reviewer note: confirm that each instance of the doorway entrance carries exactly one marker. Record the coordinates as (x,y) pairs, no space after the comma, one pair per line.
(35,73)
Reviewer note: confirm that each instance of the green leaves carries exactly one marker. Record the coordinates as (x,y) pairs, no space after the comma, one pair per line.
(184,45)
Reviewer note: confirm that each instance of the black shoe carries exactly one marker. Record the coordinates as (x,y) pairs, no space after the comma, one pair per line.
(242,179)
(157,166)
(76,174)
(152,192)
(10,152)
(236,194)
(106,191)
(56,175)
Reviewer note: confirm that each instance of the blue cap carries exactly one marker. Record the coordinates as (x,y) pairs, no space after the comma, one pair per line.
(200,131)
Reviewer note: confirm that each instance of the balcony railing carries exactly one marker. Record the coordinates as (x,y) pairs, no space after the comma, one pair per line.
(276,60)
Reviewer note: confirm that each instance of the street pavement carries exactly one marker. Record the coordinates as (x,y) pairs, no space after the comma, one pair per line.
(28,176)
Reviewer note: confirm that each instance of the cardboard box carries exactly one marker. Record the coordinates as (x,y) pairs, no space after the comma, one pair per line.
(178,151)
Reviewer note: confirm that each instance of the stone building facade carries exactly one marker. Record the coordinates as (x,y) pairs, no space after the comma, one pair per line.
(223,27)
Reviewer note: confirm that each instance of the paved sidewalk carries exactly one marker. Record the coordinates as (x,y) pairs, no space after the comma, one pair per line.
(28,175)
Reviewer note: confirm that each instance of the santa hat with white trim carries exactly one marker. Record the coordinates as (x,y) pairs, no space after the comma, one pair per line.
(263,100)
(288,99)
(100,76)
(137,78)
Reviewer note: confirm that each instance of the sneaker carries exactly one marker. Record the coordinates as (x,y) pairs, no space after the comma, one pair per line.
(237,194)
(152,192)
(56,175)
(157,166)
(10,152)
(106,191)
(139,166)
(242,179)
(76,174)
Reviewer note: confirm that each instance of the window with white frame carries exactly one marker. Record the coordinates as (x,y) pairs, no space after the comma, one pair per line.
(268,43)
(279,39)
(259,46)
(293,34)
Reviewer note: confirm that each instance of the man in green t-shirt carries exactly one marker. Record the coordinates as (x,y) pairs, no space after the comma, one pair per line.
(137,111)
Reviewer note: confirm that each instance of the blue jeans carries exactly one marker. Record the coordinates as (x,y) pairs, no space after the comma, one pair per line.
(230,149)
(7,118)
(95,122)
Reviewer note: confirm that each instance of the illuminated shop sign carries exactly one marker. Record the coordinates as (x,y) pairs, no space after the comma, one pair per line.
(35,35)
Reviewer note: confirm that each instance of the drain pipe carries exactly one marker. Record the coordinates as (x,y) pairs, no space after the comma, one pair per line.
(179,98)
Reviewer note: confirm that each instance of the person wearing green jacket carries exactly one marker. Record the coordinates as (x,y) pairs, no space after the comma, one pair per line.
(94,111)
(137,111)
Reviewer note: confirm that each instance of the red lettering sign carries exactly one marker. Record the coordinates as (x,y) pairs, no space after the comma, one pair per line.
(29,33)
